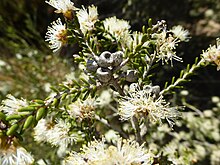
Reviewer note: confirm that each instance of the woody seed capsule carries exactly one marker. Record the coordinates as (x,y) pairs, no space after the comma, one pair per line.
(104,74)
(91,65)
(117,58)
(105,59)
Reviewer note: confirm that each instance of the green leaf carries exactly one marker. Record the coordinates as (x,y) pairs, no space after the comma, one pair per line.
(12,130)
(28,122)
(25,109)
(41,113)
(2,116)
(76,96)
(13,117)
(150,23)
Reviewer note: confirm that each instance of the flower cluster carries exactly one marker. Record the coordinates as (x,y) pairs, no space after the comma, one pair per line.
(167,40)
(11,105)
(117,28)
(82,109)
(212,54)
(125,152)
(56,35)
(56,133)
(11,154)
(146,104)
(87,19)
(63,6)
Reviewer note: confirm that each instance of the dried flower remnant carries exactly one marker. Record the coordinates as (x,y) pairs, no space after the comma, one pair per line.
(56,35)
(63,6)
(82,109)
(87,19)
(125,152)
(145,104)
(212,54)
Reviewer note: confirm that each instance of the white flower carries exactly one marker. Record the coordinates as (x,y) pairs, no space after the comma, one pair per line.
(56,35)
(57,134)
(116,27)
(43,128)
(11,104)
(144,104)
(129,152)
(82,109)
(111,136)
(87,19)
(215,156)
(125,152)
(165,47)
(14,155)
(180,33)
(62,6)
(61,135)
(104,99)
(212,54)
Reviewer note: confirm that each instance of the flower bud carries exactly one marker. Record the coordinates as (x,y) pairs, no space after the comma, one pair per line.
(117,58)
(104,74)
(105,59)
(131,76)
(91,65)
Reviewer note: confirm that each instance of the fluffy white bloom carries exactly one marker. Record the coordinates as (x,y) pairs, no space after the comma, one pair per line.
(212,54)
(116,27)
(215,156)
(57,134)
(62,6)
(11,104)
(125,152)
(166,46)
(144,104)
(104,99)
(14,155)
(87,19)
(180,33)
(111,136)
(43,128)
(56,35)
(82,109)
(167,41)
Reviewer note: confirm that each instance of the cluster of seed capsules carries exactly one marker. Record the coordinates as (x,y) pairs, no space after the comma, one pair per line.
(105,65)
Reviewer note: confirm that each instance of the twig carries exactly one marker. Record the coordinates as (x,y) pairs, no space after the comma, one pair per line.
(135,125)
(105,122)
(186,74)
